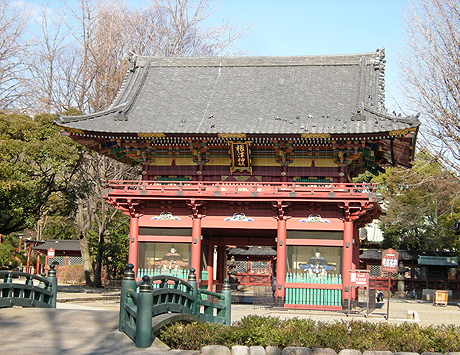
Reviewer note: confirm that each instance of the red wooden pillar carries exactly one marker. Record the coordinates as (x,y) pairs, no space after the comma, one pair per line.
(133,241)
(29,250)
(210,267)
(356,248)
(195,261)
(37,268)
(347,259)
(281,260)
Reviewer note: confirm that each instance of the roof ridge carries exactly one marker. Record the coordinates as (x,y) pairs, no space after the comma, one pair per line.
(242,61)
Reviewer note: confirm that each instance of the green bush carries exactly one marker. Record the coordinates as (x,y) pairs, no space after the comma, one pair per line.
(272,331)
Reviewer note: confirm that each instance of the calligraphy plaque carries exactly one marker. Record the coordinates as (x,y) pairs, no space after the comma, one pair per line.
(240,157)
(389,261)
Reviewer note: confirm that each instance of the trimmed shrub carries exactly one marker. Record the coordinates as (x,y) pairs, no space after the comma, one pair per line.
(256,330)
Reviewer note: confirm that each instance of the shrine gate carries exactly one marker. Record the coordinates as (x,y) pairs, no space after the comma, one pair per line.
(250,151)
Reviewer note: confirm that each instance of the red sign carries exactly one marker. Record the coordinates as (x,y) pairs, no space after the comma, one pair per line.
(359,278)
(390,261)
(50,252)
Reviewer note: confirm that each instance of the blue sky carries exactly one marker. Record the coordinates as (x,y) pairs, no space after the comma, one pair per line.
(315,27)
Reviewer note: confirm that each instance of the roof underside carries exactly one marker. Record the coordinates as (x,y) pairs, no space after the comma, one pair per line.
(251,95)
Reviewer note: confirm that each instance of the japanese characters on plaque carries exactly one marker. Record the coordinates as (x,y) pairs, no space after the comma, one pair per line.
(389,261)
(240,157)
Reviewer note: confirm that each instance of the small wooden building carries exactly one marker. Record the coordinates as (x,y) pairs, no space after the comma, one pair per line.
(422,270)
(63,252)
(253,266)
(251,151)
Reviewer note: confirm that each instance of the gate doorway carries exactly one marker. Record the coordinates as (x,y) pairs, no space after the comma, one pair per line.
(251,271)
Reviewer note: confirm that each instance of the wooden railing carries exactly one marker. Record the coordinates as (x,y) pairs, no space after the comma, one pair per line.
(164,299)
(34,291)
(222,189)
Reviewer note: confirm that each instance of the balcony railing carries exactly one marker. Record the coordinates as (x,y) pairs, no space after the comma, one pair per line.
(245,190)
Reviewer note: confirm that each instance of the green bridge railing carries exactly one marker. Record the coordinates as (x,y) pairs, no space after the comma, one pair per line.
(313,296)
(35,291)
(164,298)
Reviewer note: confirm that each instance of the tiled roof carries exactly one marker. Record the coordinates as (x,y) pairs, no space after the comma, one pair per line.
(376,254)
(438,260)
(64,245)
(253,251)
(253,95)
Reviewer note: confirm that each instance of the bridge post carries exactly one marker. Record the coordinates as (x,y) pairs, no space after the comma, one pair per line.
(227,292)
(144,314)
(192,281)
(128,283)
(53,281)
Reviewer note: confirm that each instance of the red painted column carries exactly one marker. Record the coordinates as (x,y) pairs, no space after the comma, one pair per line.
(37,268)
(133,241)
(347,257)
(210,267)
(29,249)
(281,260)
(356,248)
(195,258)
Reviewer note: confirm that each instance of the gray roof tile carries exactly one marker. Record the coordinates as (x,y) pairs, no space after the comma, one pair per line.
(65,245)
(266,95)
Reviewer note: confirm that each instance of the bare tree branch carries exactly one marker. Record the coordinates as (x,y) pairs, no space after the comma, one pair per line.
(432,74)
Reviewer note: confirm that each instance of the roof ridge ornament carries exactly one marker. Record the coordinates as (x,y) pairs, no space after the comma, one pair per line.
(379,63)
(132,59)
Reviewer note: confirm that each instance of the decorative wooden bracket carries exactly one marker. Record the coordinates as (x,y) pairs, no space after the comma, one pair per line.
(281,209)
(127,207)
(284,150)
(194,205)
(364,212)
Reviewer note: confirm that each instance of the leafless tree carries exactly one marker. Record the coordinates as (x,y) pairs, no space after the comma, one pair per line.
(93,215)
(13,23)
(431,69)
(48,63)
(178,28)
(86,70)
(79,59)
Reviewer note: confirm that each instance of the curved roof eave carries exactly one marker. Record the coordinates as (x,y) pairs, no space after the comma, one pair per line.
(118,118)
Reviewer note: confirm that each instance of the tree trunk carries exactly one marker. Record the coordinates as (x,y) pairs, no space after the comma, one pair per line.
(83,227)
(87,262)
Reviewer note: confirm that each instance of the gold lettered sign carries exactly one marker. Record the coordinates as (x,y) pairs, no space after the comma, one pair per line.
(240,157)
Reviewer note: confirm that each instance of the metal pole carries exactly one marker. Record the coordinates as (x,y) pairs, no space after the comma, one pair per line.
(388,296)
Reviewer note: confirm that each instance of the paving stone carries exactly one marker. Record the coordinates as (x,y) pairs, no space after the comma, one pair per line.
(324,351)
(374,352)
(407,353)
(240,350)
(273,350)
(296,351)
(215,350)
(257,350)
(349,352)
